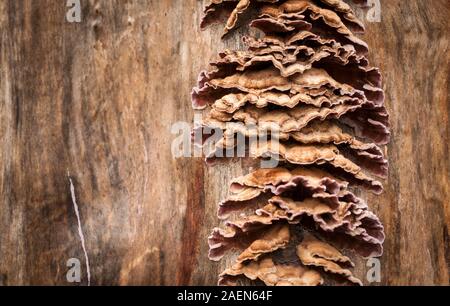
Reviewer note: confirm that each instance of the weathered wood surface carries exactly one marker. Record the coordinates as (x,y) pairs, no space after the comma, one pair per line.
(97,100)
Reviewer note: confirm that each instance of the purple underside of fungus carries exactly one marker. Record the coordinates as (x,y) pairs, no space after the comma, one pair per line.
(306,83)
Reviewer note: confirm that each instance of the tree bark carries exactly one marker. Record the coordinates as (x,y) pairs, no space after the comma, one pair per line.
(94,102)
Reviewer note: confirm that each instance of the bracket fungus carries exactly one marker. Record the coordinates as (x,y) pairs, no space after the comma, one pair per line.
(307,85)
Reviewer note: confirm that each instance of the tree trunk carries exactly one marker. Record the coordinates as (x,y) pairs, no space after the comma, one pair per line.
(93,103)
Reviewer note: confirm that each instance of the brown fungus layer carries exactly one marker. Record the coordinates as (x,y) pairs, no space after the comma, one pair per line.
(285,18)
(301,260)
(229,11)
(271,274)
(233,135)
(313,252)
(308,89)
(313,87)
(350,222)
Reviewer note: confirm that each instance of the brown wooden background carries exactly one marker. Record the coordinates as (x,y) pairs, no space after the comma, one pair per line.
(98,99)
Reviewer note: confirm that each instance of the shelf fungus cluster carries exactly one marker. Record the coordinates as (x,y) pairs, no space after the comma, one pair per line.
(306,83)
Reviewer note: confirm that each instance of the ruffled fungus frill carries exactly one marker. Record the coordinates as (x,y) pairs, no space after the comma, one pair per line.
(308,88)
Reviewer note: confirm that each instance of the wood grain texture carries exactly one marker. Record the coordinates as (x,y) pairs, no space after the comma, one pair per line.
(97,100)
